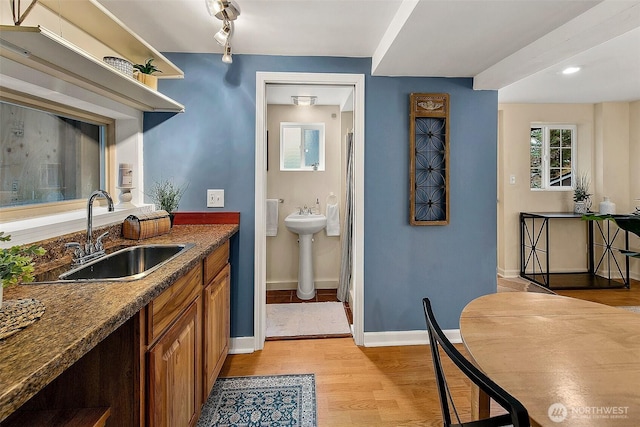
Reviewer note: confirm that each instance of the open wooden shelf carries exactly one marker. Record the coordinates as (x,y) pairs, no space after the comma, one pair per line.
(95,20)
(45,51)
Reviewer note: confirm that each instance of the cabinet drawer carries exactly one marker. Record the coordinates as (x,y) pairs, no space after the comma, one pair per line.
(215,262)
(163,310)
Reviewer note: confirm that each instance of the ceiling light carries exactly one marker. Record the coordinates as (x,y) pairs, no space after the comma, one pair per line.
(223,9)
(570,70)
(304,100)
(226,57)
(222,36)
(227,11)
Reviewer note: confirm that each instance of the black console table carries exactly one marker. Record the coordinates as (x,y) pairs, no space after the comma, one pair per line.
(535,254)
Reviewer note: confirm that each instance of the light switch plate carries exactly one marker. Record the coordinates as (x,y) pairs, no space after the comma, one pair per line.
(215,198)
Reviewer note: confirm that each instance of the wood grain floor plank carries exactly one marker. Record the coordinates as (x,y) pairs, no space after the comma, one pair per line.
(357,386)
(379,386)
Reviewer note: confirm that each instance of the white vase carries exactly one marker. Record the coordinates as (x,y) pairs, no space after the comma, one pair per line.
(607,207)
(580,207)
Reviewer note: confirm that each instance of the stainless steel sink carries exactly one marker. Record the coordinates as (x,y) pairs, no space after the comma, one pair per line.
(130,263)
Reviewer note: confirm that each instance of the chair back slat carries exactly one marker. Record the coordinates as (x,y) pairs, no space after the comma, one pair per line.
(437,339)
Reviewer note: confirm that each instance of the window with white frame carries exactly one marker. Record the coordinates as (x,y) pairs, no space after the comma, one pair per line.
(301,146)
(552,153)
(53,156)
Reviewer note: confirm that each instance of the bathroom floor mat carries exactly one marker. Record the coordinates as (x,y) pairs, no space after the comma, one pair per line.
(317,319)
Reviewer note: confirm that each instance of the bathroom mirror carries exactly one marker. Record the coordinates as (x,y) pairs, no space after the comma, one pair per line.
(302,146)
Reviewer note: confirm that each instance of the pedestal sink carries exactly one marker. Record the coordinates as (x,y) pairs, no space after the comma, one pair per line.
(305,225)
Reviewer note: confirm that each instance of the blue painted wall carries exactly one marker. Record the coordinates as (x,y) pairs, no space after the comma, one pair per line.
(212,145)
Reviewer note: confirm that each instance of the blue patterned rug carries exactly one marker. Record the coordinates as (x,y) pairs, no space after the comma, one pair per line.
(274,401)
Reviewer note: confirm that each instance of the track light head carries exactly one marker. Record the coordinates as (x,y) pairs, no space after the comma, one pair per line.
(222,36)
(223,9)
(226,56)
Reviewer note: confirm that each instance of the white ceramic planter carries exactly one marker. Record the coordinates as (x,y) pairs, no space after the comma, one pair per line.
(580,207)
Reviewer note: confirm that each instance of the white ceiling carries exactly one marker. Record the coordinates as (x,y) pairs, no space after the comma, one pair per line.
(517,47)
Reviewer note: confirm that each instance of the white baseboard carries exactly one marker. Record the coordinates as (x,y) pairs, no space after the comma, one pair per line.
(241,345)
(507,274)
(393,338)
(289,285)
(244,345)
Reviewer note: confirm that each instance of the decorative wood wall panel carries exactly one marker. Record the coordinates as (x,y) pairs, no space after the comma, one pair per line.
(429,130)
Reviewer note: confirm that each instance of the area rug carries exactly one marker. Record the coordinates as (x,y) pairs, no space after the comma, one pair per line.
(273,401)
(306,319)
(634,308)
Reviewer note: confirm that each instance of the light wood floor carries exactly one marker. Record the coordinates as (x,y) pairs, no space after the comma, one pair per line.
(380,386)
(358,386)
(613,297)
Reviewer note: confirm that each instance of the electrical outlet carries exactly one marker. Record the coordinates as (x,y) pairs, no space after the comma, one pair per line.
(215,198)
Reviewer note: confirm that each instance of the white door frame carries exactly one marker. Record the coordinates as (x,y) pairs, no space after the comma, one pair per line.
(260,256)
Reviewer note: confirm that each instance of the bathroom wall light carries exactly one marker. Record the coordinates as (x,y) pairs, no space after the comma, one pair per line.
(304,100)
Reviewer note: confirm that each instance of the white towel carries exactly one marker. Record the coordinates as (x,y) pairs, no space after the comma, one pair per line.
(272,217)
(333,220)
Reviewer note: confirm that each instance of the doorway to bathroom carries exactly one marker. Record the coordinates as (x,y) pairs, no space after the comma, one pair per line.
(316,183)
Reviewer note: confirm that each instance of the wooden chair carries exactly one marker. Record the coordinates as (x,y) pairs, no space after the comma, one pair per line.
(517,414)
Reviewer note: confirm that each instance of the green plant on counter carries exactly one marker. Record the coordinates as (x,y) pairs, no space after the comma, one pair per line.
(166,195)
(16,262)
(147,67)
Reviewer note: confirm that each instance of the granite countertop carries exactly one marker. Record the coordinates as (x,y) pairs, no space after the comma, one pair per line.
(79,316)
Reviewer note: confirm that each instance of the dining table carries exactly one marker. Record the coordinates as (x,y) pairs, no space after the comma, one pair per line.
(570,362)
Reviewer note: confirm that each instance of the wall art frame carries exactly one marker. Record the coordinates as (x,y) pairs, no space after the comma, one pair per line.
(429,157)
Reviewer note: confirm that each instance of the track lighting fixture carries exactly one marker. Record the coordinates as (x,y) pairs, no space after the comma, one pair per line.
(227,11)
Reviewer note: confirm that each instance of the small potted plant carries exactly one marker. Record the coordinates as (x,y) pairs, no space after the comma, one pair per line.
(16,263)
(145,75)
(166,195)
(581,195)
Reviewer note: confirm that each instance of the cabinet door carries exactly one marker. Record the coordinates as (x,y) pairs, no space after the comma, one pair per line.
(175,372)
(216,326)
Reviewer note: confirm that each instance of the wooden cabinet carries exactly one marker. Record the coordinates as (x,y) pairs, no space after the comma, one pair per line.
(174,372)
(157,367)
(216,327)
(217,292)
(187,337)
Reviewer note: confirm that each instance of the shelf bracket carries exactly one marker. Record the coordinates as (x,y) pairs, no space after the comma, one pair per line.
(15,10)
